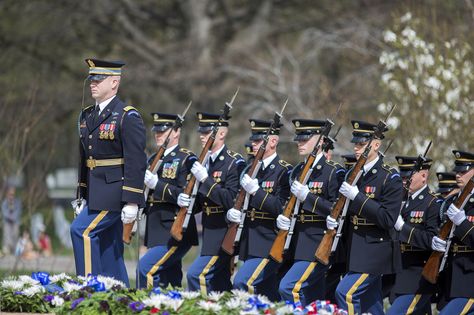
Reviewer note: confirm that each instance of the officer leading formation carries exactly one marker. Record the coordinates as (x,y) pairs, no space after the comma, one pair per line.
(388,234)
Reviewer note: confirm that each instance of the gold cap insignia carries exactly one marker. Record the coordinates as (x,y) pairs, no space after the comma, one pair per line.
(90,63)
(356,125)
(199,116)
(297,123)
(252,123)
(458,155)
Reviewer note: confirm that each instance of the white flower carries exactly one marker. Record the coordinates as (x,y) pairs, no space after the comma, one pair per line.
(215,296)
(69,287)
(447,75)
(189,295)
(57,301)
(264,299)
(241,295)
(59,277)
(412,86)
(405,18)
(425,60)
(209,306)
(109,282)
(161,300)
(433,83)
(286,309)
(409,33)
(175,304)
(402,64)
(389,36)
(13,284)
(28,280)
(235,303)
(452,96)
(33,290)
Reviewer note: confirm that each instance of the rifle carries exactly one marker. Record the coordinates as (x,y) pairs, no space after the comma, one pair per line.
(382,154)
(331,238)
(433,265)
(234,230)
(283,238)
(130,228)
(183,216)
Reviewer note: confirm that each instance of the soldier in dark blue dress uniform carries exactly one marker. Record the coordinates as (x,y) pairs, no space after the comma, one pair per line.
(219,185)
(373,210)
(111,171)
(161,265)
(459,271)
(305,280)
(446,184)
(269,191)
(417,224)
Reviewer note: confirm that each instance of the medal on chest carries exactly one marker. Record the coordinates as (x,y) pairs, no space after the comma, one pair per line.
(170,169)
(370,191)
(416,216)
(315,187)
(106,131)
(217,176)
(267,186)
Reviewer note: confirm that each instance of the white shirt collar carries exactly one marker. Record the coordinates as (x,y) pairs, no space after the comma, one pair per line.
(268,160)
(416,193)
(104,104)
(168,150)
(214,155)
(368,166)
(318,157)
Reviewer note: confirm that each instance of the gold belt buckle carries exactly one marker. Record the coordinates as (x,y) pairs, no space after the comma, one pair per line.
(302,218)
(91,163)
(208,210)
(252,215)
(354,220)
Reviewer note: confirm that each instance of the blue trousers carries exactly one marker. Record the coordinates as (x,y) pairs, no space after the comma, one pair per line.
(360,293)
(304,282)
(258,276)
(462,306)
(417,304)
(210,273)
(97,244)
(161,266)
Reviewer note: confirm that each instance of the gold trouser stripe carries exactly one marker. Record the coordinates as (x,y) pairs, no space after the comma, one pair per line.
(149,275)
(467,307)
(255,274)
(361,207)
(87,242)
(135,190)
(413,303)
(350,306)
(304,277)
(205,271)
(210,189)
(261,206)
(467,233)
(409,236)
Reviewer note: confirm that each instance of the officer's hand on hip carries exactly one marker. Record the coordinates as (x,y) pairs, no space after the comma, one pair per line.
(199,171)
(249,185)
(283,223)
(233,215)
(184,200)
(456,215)
(150,179)
(331,223)
(349,191)
(78,205)
(129,212)
(438,244)
(399,224)
(299,190)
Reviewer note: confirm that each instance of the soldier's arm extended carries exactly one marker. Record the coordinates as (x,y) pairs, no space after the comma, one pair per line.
(273,203)
(384,213)
(465,232)
(224,195)
(168,192)
(133,146)
(320,205)
(421,237)
(82,169)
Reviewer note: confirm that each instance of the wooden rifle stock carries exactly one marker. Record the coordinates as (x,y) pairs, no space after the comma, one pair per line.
(431,269)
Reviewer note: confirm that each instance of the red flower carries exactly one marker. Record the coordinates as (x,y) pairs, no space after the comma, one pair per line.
(154,310)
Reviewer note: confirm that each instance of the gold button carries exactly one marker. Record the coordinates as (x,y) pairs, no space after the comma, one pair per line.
(356,227)
(90,136)
(205,203)
(90,157)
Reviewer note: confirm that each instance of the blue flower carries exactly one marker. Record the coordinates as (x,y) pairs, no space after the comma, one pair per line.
(155,291)
(174,295)
(18,293)
(48,298)
(136,306)
(42,277)
(76,302)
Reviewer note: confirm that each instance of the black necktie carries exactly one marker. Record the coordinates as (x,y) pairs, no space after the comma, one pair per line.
(96,114)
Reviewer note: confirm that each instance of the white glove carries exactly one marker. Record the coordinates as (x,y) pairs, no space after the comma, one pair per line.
(150,179)
(129,212)
(233,215)
(250,185)
(199,171)
(299,190)
(331,223)
(78,205)
(399,224)
(349,191)
(184,200)
(283,223)
(438,244)
(456,215)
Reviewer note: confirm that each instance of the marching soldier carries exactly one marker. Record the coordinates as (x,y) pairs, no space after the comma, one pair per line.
(373,210)
(219,186)
(349,160)
(446,184)
(269,191)
(305,280)
(161,265)
(459,274)
(112,167)
(417,224)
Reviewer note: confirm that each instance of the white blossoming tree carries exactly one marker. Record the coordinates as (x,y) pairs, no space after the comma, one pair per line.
(432,85)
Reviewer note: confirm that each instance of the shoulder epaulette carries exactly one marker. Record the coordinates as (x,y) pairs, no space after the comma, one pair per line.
(128,108)
(184,150)
(333,163)
(389,169)
(87,108)
(234,155)
(284,163)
